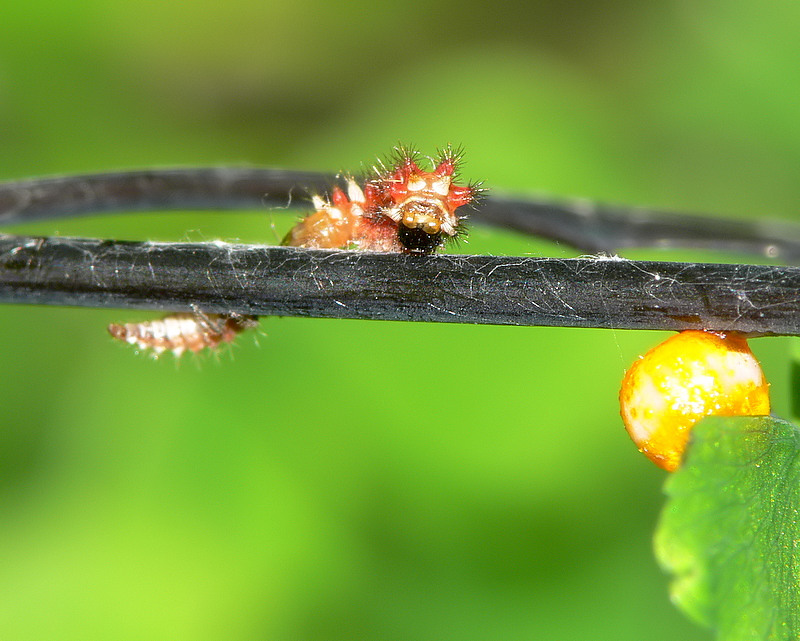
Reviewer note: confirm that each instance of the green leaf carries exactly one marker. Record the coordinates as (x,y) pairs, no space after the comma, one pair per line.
(794,342)
(730,530)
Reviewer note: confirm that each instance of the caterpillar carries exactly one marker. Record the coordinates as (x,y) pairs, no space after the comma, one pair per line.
(687,377)
(400,208)
(182,332)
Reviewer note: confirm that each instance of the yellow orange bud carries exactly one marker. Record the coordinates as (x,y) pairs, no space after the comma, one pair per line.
(690,375)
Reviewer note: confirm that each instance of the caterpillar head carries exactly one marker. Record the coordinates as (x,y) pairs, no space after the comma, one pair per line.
(423,203)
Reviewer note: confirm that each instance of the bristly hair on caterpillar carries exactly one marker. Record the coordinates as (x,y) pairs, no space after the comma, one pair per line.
(400,208)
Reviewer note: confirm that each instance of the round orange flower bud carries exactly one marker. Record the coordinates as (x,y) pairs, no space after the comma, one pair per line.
(690,375)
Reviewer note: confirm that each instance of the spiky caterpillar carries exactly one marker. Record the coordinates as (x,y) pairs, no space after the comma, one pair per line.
(402,208)
(689,376)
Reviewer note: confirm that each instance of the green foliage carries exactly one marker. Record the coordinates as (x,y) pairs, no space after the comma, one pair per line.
(730,529)
(296,490)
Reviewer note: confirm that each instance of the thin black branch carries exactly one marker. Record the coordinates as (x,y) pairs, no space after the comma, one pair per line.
(216,188)
(587,227)
(259,280)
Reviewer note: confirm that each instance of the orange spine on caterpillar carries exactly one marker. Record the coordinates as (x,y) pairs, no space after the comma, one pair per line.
(182,332)
(402,208)
(687,377)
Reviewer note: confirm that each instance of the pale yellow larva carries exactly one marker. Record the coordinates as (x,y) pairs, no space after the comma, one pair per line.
(182,332)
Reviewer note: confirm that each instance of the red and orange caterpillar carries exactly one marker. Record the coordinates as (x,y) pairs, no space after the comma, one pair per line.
(402,208)
(689,376)
(183,332)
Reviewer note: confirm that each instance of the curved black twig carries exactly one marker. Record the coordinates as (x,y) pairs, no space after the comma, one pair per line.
(587,227)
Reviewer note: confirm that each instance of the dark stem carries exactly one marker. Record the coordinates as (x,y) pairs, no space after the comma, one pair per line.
(284,281)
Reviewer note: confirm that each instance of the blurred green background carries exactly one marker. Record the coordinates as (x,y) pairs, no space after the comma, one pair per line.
(289,489)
